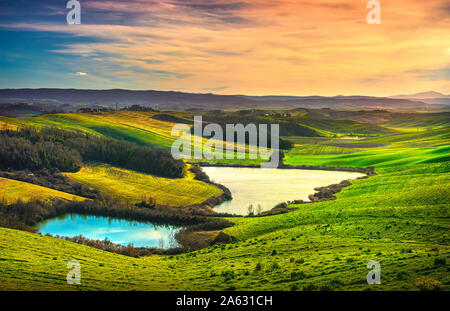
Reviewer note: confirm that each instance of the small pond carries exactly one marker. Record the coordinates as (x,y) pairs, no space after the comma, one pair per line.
(120,231)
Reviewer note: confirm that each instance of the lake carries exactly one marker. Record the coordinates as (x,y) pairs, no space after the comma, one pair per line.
(256,186)
(268,187)
(120,231)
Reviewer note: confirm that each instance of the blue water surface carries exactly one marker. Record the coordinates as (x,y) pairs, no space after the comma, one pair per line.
(120,231)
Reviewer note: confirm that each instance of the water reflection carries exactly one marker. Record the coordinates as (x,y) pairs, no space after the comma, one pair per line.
(120,231)
(268,187)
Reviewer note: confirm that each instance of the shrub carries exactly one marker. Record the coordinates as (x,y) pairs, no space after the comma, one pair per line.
(294,287)
(325,288)
(440,261)
(298,275)
(274,252)
(335,282)
(258,267)
(428,284)
(402,275)
(275,266)
(228,275)
(310,287)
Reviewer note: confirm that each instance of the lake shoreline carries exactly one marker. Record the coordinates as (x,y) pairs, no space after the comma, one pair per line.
(323,193)
(370,170)
(189,237)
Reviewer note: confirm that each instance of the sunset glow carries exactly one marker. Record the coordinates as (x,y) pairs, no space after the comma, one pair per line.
(229,46)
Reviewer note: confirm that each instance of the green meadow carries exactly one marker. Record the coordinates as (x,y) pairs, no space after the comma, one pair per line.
(399,217)
(319,246)
(381,151)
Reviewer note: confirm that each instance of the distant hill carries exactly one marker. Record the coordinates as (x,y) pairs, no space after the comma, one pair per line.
(19,110)
(432,98)
(73,99)
(422,95)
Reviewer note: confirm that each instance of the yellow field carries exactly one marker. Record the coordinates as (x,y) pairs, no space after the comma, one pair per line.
(140,120)
(133,187)
(13,190)
(7,126)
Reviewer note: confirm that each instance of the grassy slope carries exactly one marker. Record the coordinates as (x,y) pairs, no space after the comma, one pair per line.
(401,149)
(343,126)
(399,217)
(12,190)
(382,218)
(418,122)
(132,187)
(100,124)
(135,127)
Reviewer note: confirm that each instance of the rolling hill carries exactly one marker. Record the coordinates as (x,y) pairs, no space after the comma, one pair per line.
(399,217)
(133,187)
(73,99)
(13,190)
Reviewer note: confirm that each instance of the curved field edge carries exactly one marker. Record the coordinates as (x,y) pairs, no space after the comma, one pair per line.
(324,245)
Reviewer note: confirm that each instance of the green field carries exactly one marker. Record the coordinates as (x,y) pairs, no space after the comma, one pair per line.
(319,246)
(151,133)
(386,151)
(400,217)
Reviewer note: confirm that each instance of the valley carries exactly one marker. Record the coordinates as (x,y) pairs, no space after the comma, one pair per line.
(400,216)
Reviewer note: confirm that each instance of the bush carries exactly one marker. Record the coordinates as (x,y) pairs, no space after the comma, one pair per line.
(274,252)
(402,275)
(275,266)
(298,275)
(147,203)
(428,284)
(335,282)
(440,261)
(325,288)
(258,267)
(310,287)
(228,275)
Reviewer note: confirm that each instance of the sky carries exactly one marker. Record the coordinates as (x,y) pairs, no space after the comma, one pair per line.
(253,47)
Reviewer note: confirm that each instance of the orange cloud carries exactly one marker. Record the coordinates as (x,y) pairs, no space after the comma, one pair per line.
(270,46)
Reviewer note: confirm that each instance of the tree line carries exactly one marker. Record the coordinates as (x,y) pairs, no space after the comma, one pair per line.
(52,148)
